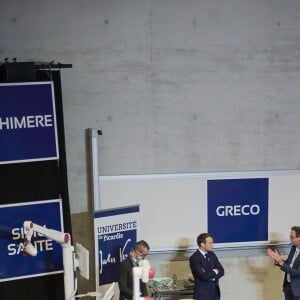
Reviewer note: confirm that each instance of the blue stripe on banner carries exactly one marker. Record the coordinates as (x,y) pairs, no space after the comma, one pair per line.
(117,211)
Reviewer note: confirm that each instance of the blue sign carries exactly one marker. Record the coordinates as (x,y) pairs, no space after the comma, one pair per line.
(115,236)
(27,122)
(238,209)
(14,265)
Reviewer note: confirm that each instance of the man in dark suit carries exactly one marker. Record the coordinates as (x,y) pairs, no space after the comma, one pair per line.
(206,269)
(139,251)
(291,266)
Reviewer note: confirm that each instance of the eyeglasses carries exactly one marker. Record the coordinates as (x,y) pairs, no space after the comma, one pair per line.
(142,253)
(293,237)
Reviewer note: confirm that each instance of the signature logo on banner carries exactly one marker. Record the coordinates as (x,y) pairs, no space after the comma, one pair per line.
(110,259)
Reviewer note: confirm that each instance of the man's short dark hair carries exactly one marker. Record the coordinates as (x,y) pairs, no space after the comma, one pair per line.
(296,229)
(202,238)
(141,245)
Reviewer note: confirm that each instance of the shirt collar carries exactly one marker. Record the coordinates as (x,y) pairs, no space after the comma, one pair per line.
(202,252)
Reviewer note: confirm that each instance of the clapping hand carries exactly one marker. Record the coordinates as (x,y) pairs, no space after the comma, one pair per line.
(274,254)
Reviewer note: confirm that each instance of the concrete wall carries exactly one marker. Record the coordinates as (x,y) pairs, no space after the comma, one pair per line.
(175,86)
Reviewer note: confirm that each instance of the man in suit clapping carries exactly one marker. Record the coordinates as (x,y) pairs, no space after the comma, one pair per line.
(291,266)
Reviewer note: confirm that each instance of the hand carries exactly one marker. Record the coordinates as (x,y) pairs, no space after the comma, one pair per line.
(274,254)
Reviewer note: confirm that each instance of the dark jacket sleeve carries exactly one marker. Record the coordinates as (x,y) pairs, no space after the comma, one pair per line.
(203,271)
(294,271)
(218,266)
(144,289)
(125,279)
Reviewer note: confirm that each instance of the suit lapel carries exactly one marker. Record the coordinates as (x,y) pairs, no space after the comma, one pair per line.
(290,257)
(207,261)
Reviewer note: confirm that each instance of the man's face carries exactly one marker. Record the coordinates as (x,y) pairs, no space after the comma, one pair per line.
(294,239)
(141,253)
(208,245)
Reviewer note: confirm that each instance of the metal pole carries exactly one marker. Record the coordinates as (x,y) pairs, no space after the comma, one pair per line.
(69,276)
(93,134)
